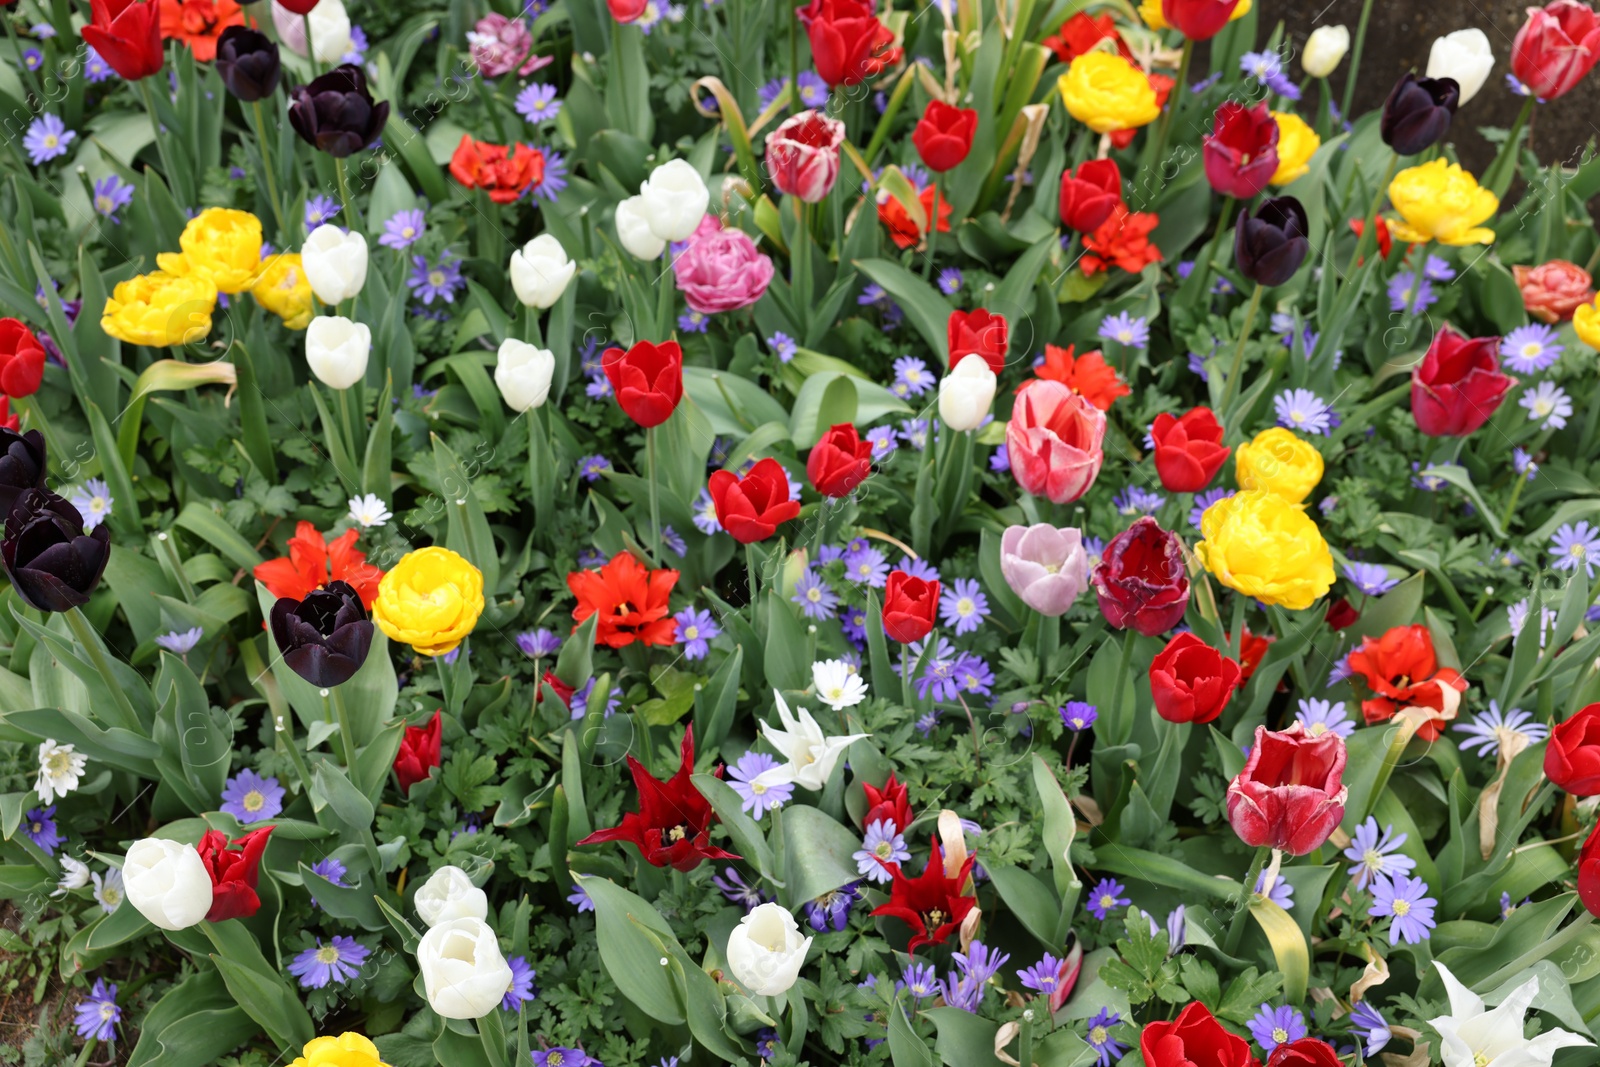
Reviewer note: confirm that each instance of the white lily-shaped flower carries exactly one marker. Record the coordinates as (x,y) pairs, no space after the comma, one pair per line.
(810,752)
(1474,1036)
(838,684)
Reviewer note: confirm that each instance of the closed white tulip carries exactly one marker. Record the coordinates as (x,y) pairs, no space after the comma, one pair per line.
(1465,56)
(463,972)
(633,230)
(167,882)
(330,30)
(449,894)
(966,393)
(335,263)
(540,271)
(1325,50)
(523,374)
(766,951)
(337,350)
(675,200)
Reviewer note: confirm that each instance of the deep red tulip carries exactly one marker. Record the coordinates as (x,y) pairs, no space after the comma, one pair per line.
(848,43)
(910,606)
(1189,450)
(1341,614)
(1572,757)
(1402,672)
(627,10)
(932,904)
(1458,385)
(1089,194)
(305,7)
(1307,1052)
(1290,795)
(1198,20)
(234,872)
(1589,873)
(890,804)
(127,34)
(1141,581)
(753,507)
(1190,681)
(839,462)
(21,359)
(943,136)
(647,378)
(1193,1038)
(672,826)
(419,753)
(1241,152)
(979,331)
(1556,47)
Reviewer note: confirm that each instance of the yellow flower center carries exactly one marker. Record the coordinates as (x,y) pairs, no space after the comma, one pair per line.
(1279,1034)
(327,954)
(51,140)
(254,801)
(691,632)
(1532,349)
(1098,1035)
(965,606)
(436,278)
(758,789)
(1576,550)
(1402,908)
(111,895)
(408,231)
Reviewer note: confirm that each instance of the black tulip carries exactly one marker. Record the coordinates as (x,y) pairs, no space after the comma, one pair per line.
(1418,112)
(248,63)
(325,637)
(336,114)
(22,465)
(1270,246)
(53,565)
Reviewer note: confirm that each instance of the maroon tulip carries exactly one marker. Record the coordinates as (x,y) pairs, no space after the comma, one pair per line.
(1289,795)
(1141,581)
(1241,152)
(1572,757)
(1418,112)
(943,136)
(300,7)
(981,332)
(839,462)
(647,378)
(1269,246)
(1090,194)
(909,607)
(1458,385)
(1556,47)
(753,507)
(1190,681)
(1189,450)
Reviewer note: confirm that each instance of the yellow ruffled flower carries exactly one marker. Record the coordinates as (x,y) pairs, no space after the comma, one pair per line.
(1586,322)
(1107,93)
(282,289)
(1150,11)
(160,310)
(1439,201)
(346,1050)
(1297,143)
(1261,545)
(431,600)
(221,245)
(1280,463)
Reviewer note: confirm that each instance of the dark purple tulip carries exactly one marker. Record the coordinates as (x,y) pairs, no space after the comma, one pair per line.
(325,637)
(248,63)
(53,565)
(1269,246)
(1418,112)
(22,465)
(336,114)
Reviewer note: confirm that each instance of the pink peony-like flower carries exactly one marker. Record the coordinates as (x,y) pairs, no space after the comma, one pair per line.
(1054,441)
(721,270)
(501,45)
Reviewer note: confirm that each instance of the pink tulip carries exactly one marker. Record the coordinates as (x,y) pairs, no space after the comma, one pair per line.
(721,270)
(501,45)
(1044,565)
(1054,441)
(1289,795)
(803,155)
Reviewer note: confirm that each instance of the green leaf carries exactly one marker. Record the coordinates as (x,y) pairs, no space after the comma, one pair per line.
(257,987)
(816,854)
(467,528)
(1060,827)
(631,958)
(733,405)
(196,1021)
(1030,901)
(1164,871)
(925,309)
(215,531)
(786,657)
(906,1049)
(1288,946)
(965,1039)
(746,834)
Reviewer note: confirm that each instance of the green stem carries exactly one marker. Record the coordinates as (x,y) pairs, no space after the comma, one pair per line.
(933,229)
(283,729)
(1242,905)
(664,294)
(347,737)
(171,552)
(794,64)
(446,684)
(655,492)
(1158,147)
(750,578)
(1213,247)
(311,47)
(1355,58)
(1236,636)
(1503,170)
(266,166)
(1124,729)
(148,96)
(352,217)
(97,655)
(33,82)
(1238,352)
(1369,230)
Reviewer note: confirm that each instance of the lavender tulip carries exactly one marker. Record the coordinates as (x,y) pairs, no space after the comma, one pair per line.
(1044,565)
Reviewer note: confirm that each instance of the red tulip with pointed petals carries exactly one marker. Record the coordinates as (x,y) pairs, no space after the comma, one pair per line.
(672,826)
(931,904)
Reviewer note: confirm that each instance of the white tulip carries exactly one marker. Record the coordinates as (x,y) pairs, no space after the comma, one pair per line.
(540,271)
(449,894)
(675,200)
(335,263)
(633,230)
(330,30)
(1474,1036)
(1465,56)
(167,882)
(766,951)
(463,972)
(810,752)
(523,374)
(1325,50)
(337,350)
(966,393)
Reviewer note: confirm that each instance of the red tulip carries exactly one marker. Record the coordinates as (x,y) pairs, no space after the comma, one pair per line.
(1190,681)
(1589,873)
(1340,615)
(1198,20)
(803,155)
(943,136)
(234,873)
(839,462)
(909,607)
(751,508)
(127,34)
(672,827)
(1401,670)
(7,419)
(981,332)
(1193,1038)
(1241,152)
(1189,450)
(890,804)
(931,904)
(1089,195)
(627,10)
(1141,581)
(1572,758)
(21,359)
(419,753)
(1556,47)
(1054,441)
(1290,795)
(1458,385)
(1081,33)
(1307,1052)
(647,378)
(848,43)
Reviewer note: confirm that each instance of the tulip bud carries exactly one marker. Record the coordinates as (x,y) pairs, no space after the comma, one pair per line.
(803,155)
(1556,47)
(966,393)
(448,895)
(167,883)
(335,263)
(1271,245)
(540,271)
(22,465)
(766,951)
(523,374)
(463,972)
(337,350)
(633,230)
(1464,56)
(1325,50)
(1418,113)
(675,200)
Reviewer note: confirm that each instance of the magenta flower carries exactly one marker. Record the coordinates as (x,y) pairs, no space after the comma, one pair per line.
(721,270)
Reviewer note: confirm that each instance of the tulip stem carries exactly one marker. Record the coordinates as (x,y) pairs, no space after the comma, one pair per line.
(1158,146)
(655,493)
(292,747)
(97,655)
(1236,637)
(311,48)
(1355,57)
(750,578)
(1234,371)
(1124,726)
(1242,906)
(933,229)
(352,218)
(171,552)
(1511,505)
(148,95)
(1369,229)
(266,167)
(347,738)
(1498,178)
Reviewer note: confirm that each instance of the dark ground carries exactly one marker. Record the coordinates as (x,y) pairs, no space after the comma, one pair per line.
(1398,39)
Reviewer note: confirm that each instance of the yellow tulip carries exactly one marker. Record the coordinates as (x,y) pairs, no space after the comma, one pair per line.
(1586,321)
(1280,463)
(282,289)
(1297,143)
(1261,545)
(221,245)
(431,600)
(346,1050)
(160,310)
(1439,201)
(1106,93)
